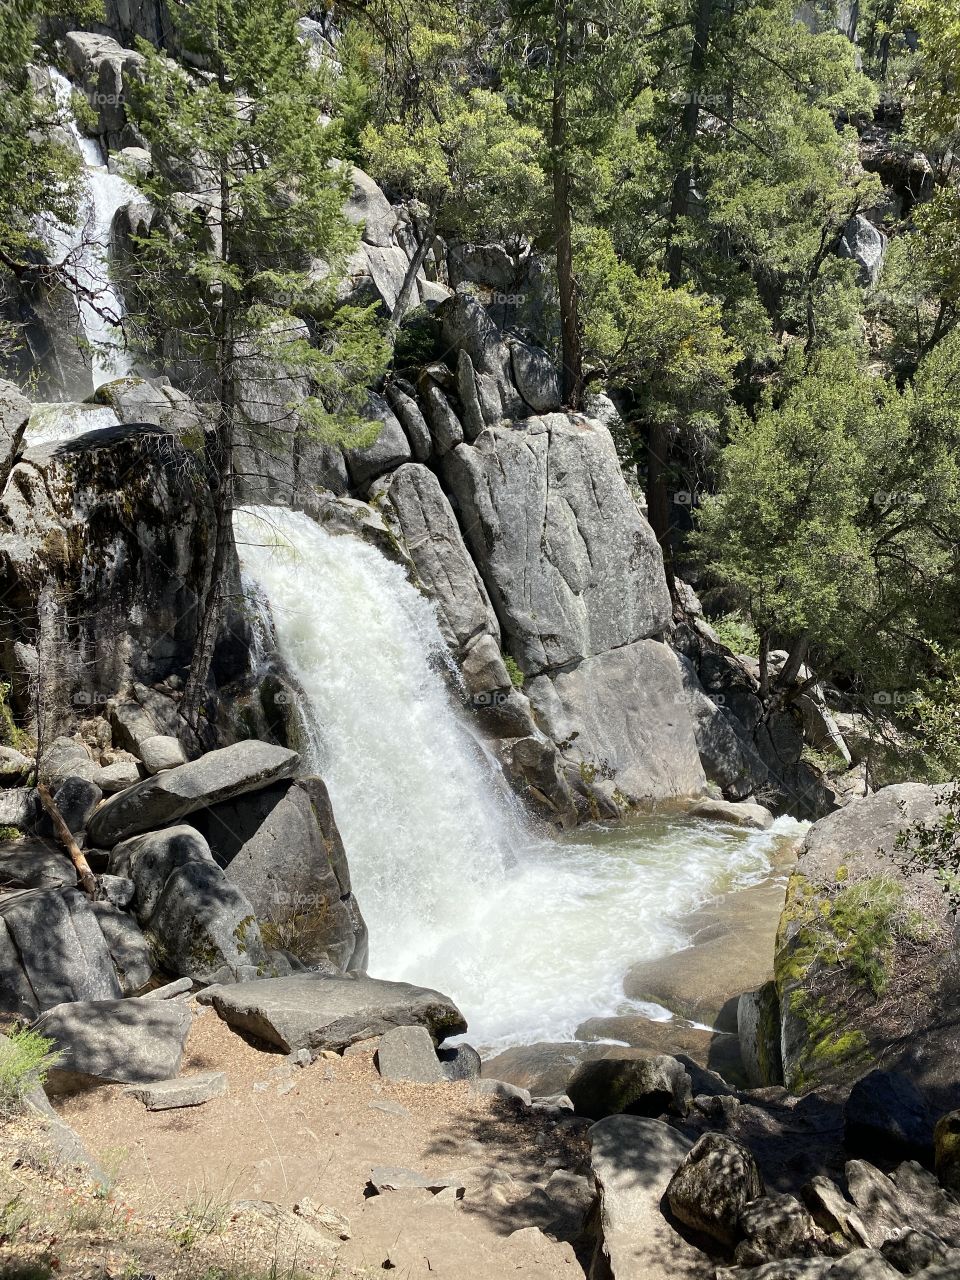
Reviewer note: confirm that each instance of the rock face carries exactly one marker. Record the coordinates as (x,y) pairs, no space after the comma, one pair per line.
(622,720)
(115,1041)
(274,848)
(219,775)
(14,416)
(309,1011)
(572,568)
(101,566)
(852,897)
(633,1161)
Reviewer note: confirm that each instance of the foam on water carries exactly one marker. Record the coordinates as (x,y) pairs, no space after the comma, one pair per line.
(529,935)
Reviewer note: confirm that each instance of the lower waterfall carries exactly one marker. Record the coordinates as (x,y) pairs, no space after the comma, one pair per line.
(529,935)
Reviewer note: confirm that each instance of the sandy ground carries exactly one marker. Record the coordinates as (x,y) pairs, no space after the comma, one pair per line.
(286,1134)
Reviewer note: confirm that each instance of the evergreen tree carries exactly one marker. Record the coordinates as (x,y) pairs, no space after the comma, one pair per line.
(238,272)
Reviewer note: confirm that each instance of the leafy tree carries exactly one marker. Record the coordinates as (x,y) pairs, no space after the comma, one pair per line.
(237,278)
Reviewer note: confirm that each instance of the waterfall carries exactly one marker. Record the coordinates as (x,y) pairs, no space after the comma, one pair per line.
(86,246)
(529,935)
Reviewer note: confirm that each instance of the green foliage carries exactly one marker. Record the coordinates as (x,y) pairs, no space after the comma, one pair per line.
(866,920)
(11,735)
(419,340)
(513,671)
(737,633)
(241,283)
(25,1058)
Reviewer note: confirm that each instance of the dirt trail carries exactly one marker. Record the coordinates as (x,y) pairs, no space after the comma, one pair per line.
(284,1134)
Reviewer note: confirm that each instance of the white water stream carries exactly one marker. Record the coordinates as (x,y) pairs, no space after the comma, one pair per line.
(85,249)
(530,936)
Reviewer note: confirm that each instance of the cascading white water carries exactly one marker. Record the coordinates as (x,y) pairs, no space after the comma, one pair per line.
(530,936)
(85,247)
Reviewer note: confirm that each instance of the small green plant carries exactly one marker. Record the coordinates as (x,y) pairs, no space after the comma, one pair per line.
(10,833)
(10,733)
(13,1218)
(25,1059)
(736,633)
(513,671)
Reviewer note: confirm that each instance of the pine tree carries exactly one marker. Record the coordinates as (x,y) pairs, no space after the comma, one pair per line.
(239,269)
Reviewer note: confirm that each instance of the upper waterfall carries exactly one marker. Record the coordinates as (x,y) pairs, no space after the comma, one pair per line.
(85,249)
(530,936)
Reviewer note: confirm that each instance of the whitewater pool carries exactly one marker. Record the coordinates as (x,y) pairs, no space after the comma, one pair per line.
(530,935)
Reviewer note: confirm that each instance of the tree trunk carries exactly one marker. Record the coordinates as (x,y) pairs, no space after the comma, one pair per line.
(680,197)
(572,350)
(410,280)
(220,469)
(791,668)
(658,497)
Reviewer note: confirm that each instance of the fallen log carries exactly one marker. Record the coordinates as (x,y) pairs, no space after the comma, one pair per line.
(86,877)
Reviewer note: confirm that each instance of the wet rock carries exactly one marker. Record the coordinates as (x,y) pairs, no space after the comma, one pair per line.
(408,1053)
(168,797)
(638,1085)
(712,1187)
(312,1011)
(717,1050)
(185,1091)
(115,1041)
(740,814)
(886,1116)
(633,1161)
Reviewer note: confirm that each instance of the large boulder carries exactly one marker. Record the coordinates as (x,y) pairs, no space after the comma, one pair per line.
(633,1161)
(388,450)
(710,1190)
(114,1041)
(623,722)
(201,924)
(272,847)
(637,1085)
(571,566)
(862,242)
(313,1011)
(863,922)
(59,947)
(170,796)
(107,73)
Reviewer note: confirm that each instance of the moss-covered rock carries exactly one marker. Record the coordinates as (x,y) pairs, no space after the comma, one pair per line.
(865,966)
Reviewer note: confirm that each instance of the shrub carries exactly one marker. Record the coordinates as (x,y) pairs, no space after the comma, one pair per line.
(25,1058)
(736,633)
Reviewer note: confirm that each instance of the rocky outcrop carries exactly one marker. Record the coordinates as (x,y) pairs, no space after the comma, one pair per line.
(866,965)
(571,566)
(102,543)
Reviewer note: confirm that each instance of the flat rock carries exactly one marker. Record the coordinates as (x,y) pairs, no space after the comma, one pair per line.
(633,1161)
(314,1011)
(408,1053)
(34,864)
(114,1042)
(185,1091)
(170,796)
(61,947)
